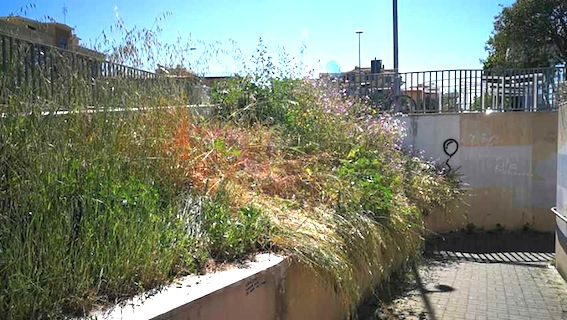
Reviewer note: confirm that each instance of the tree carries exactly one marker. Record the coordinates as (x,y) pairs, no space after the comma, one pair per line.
(530,33)
(450,101)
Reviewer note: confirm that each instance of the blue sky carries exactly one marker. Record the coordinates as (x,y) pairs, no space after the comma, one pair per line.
(433,34)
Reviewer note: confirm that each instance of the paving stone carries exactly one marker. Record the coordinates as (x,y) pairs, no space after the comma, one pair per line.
(470,288)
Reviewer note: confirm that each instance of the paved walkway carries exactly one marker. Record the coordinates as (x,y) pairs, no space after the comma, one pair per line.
(498,276)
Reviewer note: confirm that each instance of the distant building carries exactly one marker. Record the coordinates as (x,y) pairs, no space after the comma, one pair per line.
(46,33)
(375,77)
(375,82)
(426,97)
(212,80)
(177,72)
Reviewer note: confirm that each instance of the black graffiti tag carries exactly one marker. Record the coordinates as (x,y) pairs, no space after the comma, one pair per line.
(450,151)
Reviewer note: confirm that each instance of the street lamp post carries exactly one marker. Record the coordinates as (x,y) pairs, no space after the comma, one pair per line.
(359,32)
(396,66)
(191,49)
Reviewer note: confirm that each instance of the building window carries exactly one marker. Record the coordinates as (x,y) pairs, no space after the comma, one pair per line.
(62,43)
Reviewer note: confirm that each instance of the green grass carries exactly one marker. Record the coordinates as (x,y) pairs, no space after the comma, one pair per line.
(90,215)
(81,220)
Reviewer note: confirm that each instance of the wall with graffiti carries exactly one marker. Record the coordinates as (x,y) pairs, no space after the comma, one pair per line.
(508,160)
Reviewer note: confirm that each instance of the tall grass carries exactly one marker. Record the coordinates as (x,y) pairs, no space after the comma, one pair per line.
(88,213)
(98,206)
(84,217)
(343,196)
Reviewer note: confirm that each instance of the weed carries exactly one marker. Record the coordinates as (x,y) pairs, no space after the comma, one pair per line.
(528,227)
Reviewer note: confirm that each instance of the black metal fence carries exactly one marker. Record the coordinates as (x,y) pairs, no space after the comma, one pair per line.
(35,72)
(470,90)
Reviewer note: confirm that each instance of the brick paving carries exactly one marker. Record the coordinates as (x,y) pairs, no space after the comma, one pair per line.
(452,282)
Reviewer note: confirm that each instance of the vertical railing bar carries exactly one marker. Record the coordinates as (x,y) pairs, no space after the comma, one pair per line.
(535,97)
(527,88)
(467,93)
(427,94)
(411,88)
(437,97)
(442,92)
(483,89)
(511,90)
(474,75)
(496,85)
(423,96)
(467,89)
(460,97)
(503,91)
(488,96)
(470,85)
(521,92)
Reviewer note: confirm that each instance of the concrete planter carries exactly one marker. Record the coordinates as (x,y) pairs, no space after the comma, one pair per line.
(271,287)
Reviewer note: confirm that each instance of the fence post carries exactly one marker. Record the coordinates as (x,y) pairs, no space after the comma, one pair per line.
(535,78)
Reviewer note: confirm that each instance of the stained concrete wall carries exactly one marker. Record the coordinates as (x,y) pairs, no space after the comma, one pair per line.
(271,287)
(307,296)
(508,160)
(561,226)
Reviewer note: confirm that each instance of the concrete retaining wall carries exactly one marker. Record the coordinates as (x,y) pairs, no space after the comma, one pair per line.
(272,287)
(561,226)
(509,161)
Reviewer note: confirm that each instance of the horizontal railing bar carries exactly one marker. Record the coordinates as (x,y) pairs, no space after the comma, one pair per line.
(460,90)
(92,109)
(71,52)
(559,214)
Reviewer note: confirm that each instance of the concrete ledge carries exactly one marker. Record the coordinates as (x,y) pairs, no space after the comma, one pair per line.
(271,287)
(561,253)
(250,291)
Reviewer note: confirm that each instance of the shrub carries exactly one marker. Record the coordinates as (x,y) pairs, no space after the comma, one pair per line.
(230,237)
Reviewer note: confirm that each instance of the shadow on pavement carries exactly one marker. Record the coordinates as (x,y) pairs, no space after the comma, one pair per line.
(487,242)
(515,248)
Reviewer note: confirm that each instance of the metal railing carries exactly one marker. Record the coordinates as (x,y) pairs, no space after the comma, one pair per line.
(559,214)
(467,90)
(41,72)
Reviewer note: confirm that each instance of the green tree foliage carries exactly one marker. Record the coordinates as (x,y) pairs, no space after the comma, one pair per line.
(450,101)
(530,33)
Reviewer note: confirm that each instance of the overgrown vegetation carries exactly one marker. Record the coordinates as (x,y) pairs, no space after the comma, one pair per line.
(98,206)
(344,198)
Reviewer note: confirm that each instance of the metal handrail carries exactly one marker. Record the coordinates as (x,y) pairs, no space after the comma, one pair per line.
(559,214)
(463,90)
